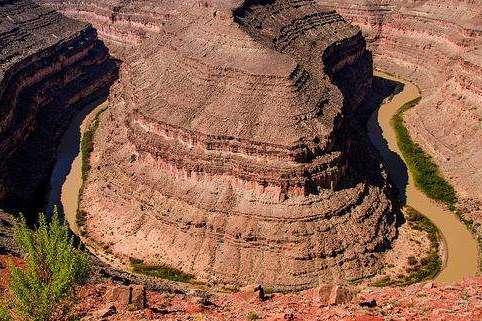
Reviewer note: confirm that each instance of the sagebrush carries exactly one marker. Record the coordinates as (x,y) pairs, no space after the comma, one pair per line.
(53,265)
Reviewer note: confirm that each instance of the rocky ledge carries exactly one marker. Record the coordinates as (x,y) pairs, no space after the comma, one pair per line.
(437,45)
(49,66)
(231,148)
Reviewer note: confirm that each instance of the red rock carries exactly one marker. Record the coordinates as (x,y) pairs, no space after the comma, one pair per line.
(367,318)
(252,292)
(328,294)
(340,295)
(138,297)
(193,308)
(120,295)
(323,293)
(106,312)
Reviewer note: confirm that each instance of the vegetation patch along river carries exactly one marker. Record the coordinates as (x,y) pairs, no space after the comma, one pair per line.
(462,258)
(462,250)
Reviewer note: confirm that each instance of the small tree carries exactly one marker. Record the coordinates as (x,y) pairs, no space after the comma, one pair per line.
(52,267)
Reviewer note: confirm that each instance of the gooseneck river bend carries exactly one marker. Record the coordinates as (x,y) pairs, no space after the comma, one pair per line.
(462,250)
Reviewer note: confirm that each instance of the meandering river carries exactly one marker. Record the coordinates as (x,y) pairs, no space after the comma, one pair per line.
(462,258)
(66,179)
(462,250)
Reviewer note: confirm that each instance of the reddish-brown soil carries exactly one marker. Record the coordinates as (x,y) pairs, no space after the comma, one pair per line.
(419,302)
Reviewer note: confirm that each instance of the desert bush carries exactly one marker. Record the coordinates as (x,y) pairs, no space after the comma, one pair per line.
(5,314)
(162,271)
(53,265)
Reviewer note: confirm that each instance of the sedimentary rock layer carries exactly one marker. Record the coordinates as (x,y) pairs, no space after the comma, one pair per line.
(230,149)
(437,45)
(48,65)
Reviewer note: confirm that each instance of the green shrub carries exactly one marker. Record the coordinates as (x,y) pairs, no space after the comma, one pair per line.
(52,267)
(412,260)
(252,316)
(5,314)
(162,271)
(425,172)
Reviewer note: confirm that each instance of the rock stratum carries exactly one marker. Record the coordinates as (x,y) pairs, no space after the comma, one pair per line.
(231,148)
(438,46)
(49,65)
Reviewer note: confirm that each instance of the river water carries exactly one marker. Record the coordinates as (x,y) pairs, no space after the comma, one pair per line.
(66,179)
(462,258)
(462,250)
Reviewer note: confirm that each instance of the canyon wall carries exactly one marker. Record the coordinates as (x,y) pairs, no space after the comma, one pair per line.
(437,45)
(230,148)
(49,65)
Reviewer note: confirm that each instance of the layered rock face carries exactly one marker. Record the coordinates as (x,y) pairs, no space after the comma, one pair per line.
(49,64)
(437,44)
(230,149)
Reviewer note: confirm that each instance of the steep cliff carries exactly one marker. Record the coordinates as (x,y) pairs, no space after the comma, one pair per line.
(437,45)
(49,66)
(230,149)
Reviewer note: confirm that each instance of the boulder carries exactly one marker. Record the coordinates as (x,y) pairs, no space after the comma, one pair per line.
(119,295)
(252,292)
(322,294)
(106,312)
(340,295)
(138,297)
(329,294)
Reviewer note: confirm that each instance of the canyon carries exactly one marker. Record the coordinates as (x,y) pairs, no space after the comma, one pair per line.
(438,46)
(233,146)
(236,156)
(49,66)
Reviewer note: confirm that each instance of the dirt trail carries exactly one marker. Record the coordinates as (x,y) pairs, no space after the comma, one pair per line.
(462,250)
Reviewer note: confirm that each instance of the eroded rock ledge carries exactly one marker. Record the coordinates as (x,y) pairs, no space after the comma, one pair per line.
(230,148)
(49,64)
(438,46)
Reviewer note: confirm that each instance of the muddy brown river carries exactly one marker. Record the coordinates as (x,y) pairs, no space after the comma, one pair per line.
(462,250)
(66,179)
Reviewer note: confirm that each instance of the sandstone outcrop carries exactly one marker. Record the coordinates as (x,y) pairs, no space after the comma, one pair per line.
(49,66)
(230,149)
(437,45)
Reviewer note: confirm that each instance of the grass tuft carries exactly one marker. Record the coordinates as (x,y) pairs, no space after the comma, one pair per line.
(161,271)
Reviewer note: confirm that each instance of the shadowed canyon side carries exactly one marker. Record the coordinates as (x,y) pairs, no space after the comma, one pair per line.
(230,148)
(51,65)
(438,46)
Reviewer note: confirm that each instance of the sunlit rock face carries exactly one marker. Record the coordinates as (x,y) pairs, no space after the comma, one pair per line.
(230,149)
(437,45)
(49,65)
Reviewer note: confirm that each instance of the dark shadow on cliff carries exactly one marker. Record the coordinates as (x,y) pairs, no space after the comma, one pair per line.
(30,169)
(384,89)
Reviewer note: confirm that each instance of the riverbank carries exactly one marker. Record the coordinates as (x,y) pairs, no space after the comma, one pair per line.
(66,180)
(462,252)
